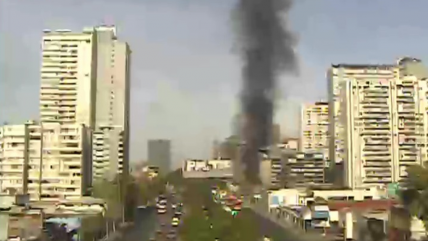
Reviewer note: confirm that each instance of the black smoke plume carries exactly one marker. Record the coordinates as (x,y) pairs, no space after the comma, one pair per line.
(267,49)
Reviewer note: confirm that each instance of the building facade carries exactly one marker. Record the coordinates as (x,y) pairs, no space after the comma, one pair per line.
(47,161)
(336,75)
(85,79)
(304,169)
(314,128)
(384,125)
(159,154)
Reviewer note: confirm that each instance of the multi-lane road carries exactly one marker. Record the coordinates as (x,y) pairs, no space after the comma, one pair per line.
(164,228)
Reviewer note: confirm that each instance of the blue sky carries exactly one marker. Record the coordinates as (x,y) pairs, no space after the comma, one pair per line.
(186,74)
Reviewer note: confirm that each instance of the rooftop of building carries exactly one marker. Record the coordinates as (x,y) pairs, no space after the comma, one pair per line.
(382,204)
(365,66)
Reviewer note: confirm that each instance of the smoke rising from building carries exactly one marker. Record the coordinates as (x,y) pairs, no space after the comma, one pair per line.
(267,49)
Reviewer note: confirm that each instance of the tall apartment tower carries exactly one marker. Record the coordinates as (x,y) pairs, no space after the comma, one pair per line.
(111,134)
(384,123)
(314,126)
(336,75)
(159,154)
(85,80)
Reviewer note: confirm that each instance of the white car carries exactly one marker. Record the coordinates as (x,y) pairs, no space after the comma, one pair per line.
(174,206)
(160,206)
(161,210)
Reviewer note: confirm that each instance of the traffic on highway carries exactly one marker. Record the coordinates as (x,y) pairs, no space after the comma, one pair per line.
(169,210)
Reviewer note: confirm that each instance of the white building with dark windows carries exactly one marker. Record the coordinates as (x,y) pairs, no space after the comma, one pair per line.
(314,128)
(384,127)
(85,79)
(47,161)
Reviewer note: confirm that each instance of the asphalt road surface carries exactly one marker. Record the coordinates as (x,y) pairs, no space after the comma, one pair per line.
(144,226)
(163,221)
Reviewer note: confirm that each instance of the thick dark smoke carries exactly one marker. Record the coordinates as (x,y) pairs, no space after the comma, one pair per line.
(267,49)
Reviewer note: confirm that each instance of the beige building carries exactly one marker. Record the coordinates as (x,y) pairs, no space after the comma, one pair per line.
(336,75)
(85,79)
(108,152)
(314,128)
(290,144)
(304,169)
(384,124)
(47,161)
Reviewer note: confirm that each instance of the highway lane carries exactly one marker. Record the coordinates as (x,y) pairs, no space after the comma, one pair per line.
(144,225)
(164,227)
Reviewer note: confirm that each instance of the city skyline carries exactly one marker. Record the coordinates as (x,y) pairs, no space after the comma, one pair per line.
(321,43)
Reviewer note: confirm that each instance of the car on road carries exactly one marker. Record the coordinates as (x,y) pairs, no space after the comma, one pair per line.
(159,205)
(161,210)
(175,222)
(171,235)
(174,206)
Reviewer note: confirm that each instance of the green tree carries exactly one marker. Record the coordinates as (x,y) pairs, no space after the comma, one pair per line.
(244,227)
(197,193)
(415,194)
(111,194)
(92,227)
(196,227)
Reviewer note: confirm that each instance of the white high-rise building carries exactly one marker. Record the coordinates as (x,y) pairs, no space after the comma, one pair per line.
(68,74)
(314,128)
(47,161)
(384,124)
(335,76)
(111,136)
(86,80)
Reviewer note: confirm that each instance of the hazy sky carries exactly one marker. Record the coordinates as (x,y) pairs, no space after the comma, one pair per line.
(185,74)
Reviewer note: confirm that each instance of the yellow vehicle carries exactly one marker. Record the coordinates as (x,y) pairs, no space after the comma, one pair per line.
(175,221)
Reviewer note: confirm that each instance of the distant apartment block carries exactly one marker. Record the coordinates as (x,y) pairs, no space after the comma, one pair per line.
(314,128)
(304,169)
(85,79)
(159,154)
(384,123)
(290,144)
(47,161)
(271,172)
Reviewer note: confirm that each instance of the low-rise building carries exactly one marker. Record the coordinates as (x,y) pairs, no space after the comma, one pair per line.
(47,161)
(304,169)
(290,144)
(20,222)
